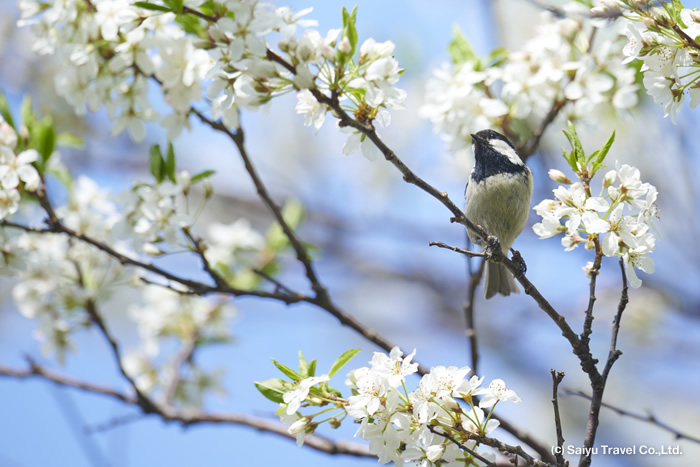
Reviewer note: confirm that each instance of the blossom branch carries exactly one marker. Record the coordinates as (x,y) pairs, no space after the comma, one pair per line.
(197,288)
(557,377)
(314,441)
(322,298)
(648,418)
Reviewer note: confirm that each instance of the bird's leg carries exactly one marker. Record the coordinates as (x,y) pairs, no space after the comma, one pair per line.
(492,244)
(517,258)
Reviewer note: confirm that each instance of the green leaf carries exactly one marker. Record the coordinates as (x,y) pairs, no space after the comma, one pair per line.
(28,117)
(175,5)
(47,142)
(303,366)
(202,175)
(293,213)
(460,50)
(497,57)
(273,389)
(69,140)
(63,176)
(191,25)
(578,154)
(604,152)
(152,6)
(312,368)
(156,163)
(170,163)
(341,361)
(349,29)
(5,111)
(293,375)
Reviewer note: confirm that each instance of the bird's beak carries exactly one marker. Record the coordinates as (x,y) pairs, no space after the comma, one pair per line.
(478,139)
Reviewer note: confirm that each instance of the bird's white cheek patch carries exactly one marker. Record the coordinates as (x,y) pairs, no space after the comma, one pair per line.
(506,150)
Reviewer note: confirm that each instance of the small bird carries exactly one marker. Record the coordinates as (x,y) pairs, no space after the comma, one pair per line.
(498,199)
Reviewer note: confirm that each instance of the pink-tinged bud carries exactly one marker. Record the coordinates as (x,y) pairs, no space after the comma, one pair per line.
(648,22)
(609,179)
(559,176)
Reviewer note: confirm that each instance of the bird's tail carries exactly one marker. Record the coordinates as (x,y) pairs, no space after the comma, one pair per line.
(499,280)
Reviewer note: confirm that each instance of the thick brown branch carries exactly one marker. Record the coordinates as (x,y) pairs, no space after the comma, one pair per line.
(598,387)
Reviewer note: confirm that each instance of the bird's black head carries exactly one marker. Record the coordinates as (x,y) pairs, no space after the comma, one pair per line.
(494,154)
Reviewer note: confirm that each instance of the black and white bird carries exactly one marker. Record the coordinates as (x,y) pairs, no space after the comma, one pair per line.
(498,199)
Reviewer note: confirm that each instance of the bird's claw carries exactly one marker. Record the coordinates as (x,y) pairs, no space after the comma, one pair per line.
(518,259)
(492,244)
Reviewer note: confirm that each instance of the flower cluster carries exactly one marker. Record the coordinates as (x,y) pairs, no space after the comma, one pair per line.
(401,427)
(620,219)
(56,276)
(561,68)
(367,84)
(113,49)
(663,39)
(16,170)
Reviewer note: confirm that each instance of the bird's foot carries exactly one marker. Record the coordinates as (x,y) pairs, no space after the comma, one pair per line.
(492,245)
(518,259)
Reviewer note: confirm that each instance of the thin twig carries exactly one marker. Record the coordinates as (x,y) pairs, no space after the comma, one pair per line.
(474,280)
(557,376)
(198,288)
(197,245)
(471,254)
(509,449)
(461,446)
(114,423)
(648,418)
(595,270)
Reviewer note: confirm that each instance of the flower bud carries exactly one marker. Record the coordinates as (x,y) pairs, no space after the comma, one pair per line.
(344,46)
(334,423)
(434,453)
(609,179)
(152,250)
(24,133)
(8,136)
(299,426)
(208,189)
(614,193)
(559,176)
